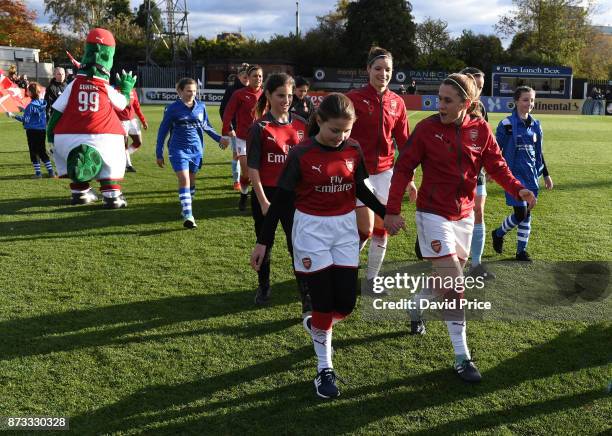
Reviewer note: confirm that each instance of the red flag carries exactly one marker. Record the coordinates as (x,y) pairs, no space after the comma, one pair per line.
(76,63)
(6,83)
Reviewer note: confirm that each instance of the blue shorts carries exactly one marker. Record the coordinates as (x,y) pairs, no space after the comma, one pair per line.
(184,161)
(511,201)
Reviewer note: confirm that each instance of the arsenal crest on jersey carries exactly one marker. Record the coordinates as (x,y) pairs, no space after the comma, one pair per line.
(473,134)
(393,107)
(300,134)
(350,164)
(436,245)
(307,262)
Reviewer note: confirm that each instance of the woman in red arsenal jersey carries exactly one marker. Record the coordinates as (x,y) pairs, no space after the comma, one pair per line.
(241,109)
(326,173)
(381,120)
(451,147)
(269,141)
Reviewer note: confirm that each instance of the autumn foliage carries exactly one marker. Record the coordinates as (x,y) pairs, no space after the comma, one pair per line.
(17,29)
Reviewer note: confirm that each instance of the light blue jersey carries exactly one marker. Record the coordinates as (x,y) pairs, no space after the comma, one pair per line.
(521,144)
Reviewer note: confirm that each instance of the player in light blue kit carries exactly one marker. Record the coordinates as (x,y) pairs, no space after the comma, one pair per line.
(520,138)
(186,120)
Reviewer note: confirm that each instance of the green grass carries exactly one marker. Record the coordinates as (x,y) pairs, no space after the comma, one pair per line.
(128,324)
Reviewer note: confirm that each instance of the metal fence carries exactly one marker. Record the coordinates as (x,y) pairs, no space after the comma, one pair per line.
(166,77)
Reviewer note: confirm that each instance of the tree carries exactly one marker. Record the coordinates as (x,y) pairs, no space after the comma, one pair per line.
(118,9)
(17,28)
(78,15)
(387,23)
(596,58)
(432,35)
(480,51)
(555,30)
(141,15)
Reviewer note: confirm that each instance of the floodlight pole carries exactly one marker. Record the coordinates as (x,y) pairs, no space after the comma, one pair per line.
(297,19)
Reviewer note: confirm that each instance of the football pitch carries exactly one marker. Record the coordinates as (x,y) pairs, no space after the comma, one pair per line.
(127,323)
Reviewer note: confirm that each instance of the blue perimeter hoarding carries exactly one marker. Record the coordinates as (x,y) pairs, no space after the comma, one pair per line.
(491,104)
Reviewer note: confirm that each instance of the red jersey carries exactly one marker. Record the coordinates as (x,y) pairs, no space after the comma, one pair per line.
(451,157)
(268,145)
(88,105)
(241,106)
(132,110)
(380,119)
(324,178)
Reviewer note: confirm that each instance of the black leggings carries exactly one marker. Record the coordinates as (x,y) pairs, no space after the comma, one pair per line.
(521,212)
(333,289)
(36,145)
(286,219)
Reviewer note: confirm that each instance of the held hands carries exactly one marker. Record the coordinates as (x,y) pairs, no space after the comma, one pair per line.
(412,191)
(529,197)
(394,223)
(265,206)
(160,163)
(548,182)
(257,256)
(224,142)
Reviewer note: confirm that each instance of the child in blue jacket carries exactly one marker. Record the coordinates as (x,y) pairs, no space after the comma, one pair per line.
(34,121)
(520,138)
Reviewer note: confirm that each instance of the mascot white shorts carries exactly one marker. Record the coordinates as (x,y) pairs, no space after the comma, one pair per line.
(110,146)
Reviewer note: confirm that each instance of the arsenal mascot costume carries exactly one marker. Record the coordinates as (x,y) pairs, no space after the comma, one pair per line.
(85,128)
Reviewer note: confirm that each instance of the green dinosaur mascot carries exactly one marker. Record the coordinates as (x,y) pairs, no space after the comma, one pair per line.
(84,127)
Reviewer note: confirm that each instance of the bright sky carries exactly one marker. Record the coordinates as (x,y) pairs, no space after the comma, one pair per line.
(264,18)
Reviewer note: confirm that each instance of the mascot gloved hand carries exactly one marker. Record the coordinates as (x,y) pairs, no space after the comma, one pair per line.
(84,127)
(126,83)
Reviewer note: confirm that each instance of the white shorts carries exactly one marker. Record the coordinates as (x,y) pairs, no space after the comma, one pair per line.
(110,146)
(239,146)
(481,190)
(439,237)
(379,184)
(322,241)
(131,127)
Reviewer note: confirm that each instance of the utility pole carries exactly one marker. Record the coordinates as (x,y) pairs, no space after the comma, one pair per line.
(297,19)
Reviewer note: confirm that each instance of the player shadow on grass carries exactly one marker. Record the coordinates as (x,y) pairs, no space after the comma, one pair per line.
(70,221)
(292,408)
(139,322)
(27,176)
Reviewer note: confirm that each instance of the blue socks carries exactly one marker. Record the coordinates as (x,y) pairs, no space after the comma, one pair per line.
(524,229)
(509,223)
(478,243)
(522,235)
(185,199)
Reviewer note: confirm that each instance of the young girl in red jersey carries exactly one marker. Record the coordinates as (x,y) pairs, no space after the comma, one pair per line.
(381,120)
(241,109)
(132,129)
(451,147)
(326,173)
(270,139)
